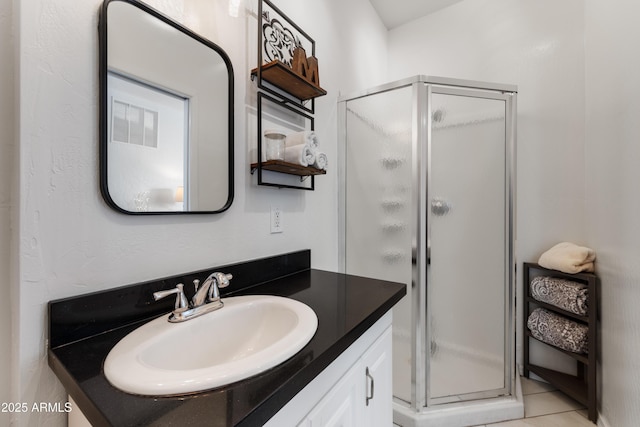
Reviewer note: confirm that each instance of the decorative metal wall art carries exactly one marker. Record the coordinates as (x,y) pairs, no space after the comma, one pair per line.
(279,41)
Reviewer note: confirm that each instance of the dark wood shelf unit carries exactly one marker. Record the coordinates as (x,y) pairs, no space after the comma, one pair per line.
(579,357)
(570,385)
(281,76)
(288,168)
(581,387)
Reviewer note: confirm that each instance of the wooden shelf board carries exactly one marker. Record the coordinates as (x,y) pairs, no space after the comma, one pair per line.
(288,168)
(568,384)
(579,357)
(553,308)
(280,75)
(569,276)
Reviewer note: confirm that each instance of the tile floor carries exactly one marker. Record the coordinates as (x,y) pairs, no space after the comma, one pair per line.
(546,407)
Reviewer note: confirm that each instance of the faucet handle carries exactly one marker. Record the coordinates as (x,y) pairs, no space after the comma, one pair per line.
(221,280)
(196,284)
(181,300)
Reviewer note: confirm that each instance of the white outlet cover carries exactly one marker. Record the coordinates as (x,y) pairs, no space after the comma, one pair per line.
(276,220)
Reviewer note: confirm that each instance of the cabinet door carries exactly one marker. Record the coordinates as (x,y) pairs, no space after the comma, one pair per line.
(341,406)
(375,367)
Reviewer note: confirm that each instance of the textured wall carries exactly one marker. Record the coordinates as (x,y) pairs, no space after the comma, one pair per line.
(613,206)
(7,153)
(72,243)
(521,43)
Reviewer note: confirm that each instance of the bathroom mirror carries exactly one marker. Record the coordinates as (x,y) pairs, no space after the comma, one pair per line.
(166,119)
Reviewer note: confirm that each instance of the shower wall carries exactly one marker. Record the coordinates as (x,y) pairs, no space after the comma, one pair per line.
(378,200)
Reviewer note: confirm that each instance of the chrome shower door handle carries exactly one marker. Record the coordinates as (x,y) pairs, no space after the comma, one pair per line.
(371,381)
(440,207)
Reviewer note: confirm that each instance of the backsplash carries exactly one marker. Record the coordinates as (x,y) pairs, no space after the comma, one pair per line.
(79,317)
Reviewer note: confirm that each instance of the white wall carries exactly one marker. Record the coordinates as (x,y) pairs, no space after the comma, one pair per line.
(612,202)
(7,150)
(72,243)
(538,46)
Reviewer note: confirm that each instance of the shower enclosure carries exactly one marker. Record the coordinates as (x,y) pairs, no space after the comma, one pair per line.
(428,167)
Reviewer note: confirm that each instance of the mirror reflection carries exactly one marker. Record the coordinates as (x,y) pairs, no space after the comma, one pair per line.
(167,115)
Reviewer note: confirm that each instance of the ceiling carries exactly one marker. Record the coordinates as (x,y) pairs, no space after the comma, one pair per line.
(397,12)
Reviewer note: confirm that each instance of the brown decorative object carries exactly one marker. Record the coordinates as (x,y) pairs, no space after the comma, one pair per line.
(305,67)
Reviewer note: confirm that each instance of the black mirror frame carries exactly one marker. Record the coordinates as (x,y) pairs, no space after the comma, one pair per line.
(103,122)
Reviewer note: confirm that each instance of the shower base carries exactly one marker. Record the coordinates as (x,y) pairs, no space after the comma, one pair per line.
(462,414)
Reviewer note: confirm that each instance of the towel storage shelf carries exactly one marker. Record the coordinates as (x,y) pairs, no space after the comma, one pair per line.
(581,387)
(290,168)
(282,76)
(285,90)
(280,166)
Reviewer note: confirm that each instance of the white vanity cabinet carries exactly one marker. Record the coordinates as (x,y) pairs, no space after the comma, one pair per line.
(376,363)
(355,390)
(341,406)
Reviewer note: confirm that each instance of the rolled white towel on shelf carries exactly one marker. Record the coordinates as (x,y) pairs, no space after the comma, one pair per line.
(301,154)
(569,258)
(294,151)
(321,160)
(305,137)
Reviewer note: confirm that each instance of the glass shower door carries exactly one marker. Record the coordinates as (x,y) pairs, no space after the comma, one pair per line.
(468,238)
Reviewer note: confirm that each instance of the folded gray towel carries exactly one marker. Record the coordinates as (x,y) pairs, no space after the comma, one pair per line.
(558,331)
(565,294)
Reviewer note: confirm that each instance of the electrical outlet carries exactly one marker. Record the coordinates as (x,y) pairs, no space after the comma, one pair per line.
(276,220)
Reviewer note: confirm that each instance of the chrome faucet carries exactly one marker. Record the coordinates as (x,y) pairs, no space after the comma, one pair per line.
(211,288)
(205,299)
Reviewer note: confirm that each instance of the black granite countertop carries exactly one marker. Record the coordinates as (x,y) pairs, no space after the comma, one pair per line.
(346,307)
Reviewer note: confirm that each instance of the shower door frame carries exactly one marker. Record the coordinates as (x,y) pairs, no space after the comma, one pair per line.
(422,88)
(509,265)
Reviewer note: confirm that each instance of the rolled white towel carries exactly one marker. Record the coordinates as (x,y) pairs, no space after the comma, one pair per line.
(569,258)
(301,154)
(321,160)
(304,137)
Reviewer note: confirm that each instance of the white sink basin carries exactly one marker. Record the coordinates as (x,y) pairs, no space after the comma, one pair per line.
(249,335)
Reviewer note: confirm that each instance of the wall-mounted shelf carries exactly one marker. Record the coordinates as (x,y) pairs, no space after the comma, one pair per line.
(289,95)
(288,168)
(581,387)
(282,76)
(281,166)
